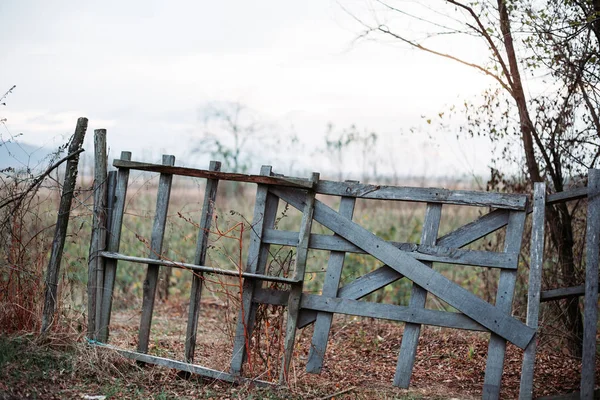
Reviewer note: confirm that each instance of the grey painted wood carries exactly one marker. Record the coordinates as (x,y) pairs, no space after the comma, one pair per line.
(186,367)
(330,288)
(210,196)
(429,195)
(420,252)
(590,300)
(535,285)
(224,176)
(155,253)
(114,238)
(410,337)
(293,308)
(110,204)
(484,313)
(98,235)
(567,195)
(62,224)
(562,293)
(263,211)
(200,268)
(390,312)
(385,275)
(475,230)
(504,298)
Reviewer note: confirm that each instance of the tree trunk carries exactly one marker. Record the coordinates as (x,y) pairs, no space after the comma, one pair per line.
(558,217)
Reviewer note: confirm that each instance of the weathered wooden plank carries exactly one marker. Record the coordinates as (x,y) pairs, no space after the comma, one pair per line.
(567,195)
(420,252)
(504,299)
(186,367)
(535,285)
(62,224)
(293,308)
(199,268)
(110,204)
(590,300)
(330,289)
(458,297)
(98,235)
(390,312)
(429,195)
(210,196)
(562,293)
(410,337)
(155,253)
(263,217)
(385,275)
(224,176)
(114,238)
(475,230)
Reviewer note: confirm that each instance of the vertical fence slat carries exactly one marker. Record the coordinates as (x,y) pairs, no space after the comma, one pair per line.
(535,285)
(62,224)
(110,204)
(265,210)
(293,308)
(504,298)
(156,242)
(98,235)
(330,288)
(210,195)
(410,337)
(590,301)
(114,239)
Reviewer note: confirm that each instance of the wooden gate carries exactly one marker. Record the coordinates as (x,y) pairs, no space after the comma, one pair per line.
(411,261)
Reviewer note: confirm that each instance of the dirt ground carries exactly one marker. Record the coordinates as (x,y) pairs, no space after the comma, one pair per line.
(361,356)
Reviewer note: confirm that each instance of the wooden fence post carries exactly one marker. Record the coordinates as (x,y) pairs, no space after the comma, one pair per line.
(114,239)
(590,301)
(98,237)
(210,195)
(535,285)
(62,223)
(156,243)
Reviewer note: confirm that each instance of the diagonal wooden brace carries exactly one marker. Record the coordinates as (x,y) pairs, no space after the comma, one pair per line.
(475,308)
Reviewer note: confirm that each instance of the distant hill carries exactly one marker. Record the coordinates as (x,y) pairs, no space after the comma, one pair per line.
(20,155)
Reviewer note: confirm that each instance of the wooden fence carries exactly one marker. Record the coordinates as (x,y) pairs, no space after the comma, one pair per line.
(411,261)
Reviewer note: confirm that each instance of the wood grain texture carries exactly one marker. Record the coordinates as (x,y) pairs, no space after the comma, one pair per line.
(223,176)
(390,312)
(420,252)
(186,367)
(110,204)
(265,209)
(535,285)
(590,300)
(385,275)
(210,196)
(331,284)
(293,308)
(62,224)
(429,195)
(484,313)
(98,235)
(410,337)
(199,268)
(114,239)
(504,298)
(155,253)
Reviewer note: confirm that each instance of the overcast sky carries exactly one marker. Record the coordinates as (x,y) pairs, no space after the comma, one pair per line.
(144,70)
